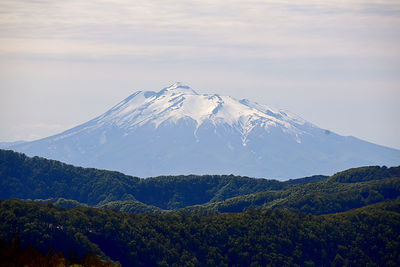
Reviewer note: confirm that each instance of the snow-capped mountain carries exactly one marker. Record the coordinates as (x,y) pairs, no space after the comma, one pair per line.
(178,131)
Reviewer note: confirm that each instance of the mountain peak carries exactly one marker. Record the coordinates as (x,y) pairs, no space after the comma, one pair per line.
(177,88)
(178,85)
(178,102)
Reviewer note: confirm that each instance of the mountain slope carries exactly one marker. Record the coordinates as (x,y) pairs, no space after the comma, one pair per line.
(177,131)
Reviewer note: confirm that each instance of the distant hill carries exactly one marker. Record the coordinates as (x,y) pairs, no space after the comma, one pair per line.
(38,178)
(322,197)
(68,186)
(177,131)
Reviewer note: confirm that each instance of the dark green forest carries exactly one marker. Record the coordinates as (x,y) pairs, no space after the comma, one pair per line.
(360,237)
(38,178)
(49,181)
(54,214)
(323,197)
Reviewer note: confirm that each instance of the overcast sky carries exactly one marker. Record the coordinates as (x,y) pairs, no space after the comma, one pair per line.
(334,63)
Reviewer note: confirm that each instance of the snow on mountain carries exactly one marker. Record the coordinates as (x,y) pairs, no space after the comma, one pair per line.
(178,102)
(178,131)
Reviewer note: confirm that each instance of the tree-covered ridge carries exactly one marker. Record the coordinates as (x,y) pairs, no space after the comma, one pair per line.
(69,186)
(317,198)
(323,197)
(361,237)
(62,202)
(38,178)
(364,174)
(131,206)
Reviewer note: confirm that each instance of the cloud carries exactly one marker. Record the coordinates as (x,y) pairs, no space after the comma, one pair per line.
(199,30)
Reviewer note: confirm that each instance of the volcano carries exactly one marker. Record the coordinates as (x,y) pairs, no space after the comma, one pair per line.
(178,131)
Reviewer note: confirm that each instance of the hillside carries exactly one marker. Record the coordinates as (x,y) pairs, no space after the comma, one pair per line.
(50,181)
(361,237)
(38,178)
(318,198)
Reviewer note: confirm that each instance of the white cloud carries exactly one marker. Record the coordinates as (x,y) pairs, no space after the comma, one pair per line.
(200,28)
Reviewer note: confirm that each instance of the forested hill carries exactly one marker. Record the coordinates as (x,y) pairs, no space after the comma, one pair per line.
(347,190)
(369,236)
(38,178)
(69,186)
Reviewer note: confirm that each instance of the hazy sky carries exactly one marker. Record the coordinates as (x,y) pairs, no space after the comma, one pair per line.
(334,63)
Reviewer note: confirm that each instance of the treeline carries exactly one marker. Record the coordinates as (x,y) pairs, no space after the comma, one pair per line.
(38,178)
(322,197)
(364,174)
(50,181)
(361,237)
(317,198)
